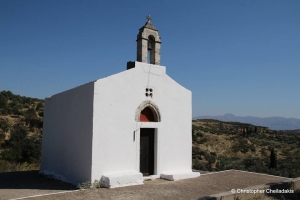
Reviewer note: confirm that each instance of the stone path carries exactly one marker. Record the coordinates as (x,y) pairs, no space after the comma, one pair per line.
(196,188)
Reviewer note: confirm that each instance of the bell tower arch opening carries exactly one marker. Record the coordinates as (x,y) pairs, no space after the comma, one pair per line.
(151,49)
(148,44)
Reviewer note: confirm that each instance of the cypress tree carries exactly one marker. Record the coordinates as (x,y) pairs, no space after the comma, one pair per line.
(273,159)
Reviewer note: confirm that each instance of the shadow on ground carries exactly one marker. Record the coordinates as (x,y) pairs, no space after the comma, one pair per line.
(31,180)
(284,186)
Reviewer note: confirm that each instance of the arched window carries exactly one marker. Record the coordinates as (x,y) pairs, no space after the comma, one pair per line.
(147,112)
(147,115)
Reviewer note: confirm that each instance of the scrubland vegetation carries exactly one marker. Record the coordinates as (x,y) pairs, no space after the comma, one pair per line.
(221,145)
(21,122)
(217,145)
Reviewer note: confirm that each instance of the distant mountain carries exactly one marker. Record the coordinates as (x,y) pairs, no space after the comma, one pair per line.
(275,123)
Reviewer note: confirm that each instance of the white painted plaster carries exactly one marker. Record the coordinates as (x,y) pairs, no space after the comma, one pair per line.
(179,176)
(91,132)
(122,179)
(67,135)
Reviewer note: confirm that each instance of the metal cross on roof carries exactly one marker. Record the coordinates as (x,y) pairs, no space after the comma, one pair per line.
(149,18)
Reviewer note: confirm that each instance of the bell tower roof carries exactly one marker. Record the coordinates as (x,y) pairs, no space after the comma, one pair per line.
(148,44)
(148,24)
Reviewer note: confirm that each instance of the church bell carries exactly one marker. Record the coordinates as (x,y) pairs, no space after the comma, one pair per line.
(149,45)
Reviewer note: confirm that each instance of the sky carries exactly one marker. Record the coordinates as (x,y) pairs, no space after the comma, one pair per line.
(239,57)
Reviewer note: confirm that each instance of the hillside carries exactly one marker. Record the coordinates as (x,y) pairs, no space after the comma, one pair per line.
(221,145)
(21,122)
(275,123)
(217,145)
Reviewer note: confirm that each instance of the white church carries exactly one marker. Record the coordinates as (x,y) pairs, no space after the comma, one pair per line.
(121,129)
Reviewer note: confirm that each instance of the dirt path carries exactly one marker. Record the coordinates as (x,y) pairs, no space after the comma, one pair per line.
(30,183)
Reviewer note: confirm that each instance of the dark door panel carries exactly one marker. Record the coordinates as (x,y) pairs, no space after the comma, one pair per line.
(147,151)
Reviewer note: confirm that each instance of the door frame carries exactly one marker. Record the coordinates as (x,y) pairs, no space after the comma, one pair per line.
(150,133)
(156,126)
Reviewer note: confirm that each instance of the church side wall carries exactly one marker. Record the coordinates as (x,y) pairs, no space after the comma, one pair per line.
(67,135)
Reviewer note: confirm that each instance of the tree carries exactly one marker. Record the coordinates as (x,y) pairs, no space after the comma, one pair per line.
(16,111)
(273,160)
(2,135)
(210,159)
(15,144)
(198,165)
(22,148)
(31,151)
(4,125)
(3,101)
(3,104)
(221,126)
(40,106)
(30,114)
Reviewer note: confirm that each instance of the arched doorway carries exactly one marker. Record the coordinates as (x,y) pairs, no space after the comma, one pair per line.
(147,112)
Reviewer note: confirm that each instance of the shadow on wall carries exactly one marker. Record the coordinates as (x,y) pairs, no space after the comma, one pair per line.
(31,180)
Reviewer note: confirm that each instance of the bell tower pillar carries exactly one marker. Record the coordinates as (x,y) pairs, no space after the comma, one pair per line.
(148,44)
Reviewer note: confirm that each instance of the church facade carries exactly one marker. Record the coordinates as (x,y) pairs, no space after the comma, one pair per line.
(123,128)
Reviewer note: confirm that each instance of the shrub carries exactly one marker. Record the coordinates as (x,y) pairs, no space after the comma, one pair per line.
(210,159)
(41,113)
(199,134)
(96,184)
(2,135)
(203,140)
(252,148)
(213,153)
(196,150)
(40,106)
(84,185)
(20,148)
(4,166)
(225,163)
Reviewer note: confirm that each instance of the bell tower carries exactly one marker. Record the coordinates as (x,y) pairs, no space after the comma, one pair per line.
(148,44)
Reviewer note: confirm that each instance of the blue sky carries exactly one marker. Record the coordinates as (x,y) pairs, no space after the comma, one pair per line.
(240,57)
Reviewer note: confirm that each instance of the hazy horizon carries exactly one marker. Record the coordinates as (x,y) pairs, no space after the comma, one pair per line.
(238,57)
(242,116)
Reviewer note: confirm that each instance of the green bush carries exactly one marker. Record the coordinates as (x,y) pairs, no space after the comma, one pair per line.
(199,165)
(213,153)
(210,159)
(84,185)
(20,147)
(203,140)
(225,163)
(199,134)
(40,106)
(4,166)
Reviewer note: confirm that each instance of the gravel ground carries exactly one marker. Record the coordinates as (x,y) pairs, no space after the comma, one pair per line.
(194,188)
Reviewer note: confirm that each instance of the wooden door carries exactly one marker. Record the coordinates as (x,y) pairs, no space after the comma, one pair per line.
(147,151)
